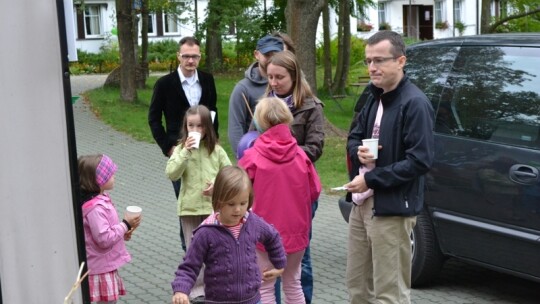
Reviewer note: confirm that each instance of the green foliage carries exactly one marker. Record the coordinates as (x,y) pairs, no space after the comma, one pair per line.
(441,25)
(162,51)
(234,59)
(460,26)
(525,24)
(364,27)
(357,51)
(103,62)
(385,26)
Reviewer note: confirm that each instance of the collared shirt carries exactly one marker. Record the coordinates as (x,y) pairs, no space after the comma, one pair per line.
(191,86)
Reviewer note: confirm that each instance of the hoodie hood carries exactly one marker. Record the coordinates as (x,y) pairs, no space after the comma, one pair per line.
(254,75)
(277,144)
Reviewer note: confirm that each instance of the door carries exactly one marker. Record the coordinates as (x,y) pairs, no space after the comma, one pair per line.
(421,21)
(425,22)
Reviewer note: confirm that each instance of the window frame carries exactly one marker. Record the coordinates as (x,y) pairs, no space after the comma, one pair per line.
(439,11)
(458,11)
(98,15)
(152,22)
(381,12)
(166,18)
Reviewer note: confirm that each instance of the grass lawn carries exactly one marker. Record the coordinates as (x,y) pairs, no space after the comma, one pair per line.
(131,118)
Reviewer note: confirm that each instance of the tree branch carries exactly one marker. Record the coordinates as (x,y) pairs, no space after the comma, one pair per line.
(512,17)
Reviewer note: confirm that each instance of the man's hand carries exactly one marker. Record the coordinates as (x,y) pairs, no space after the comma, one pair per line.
(364,156)
(357,185)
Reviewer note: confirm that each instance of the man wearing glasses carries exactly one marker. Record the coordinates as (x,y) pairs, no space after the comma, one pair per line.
(380,224)
(175,93)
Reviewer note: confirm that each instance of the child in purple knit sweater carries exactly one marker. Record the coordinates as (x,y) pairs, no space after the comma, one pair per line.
(225,243)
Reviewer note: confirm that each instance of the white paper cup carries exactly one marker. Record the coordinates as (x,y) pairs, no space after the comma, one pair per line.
(373,146)
(197,137)
(133,210)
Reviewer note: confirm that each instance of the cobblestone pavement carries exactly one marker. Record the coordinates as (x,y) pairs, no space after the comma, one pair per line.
(155,246)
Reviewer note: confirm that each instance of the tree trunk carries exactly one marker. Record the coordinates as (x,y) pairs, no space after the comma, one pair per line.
(344,44)
(327,50)
(214,53)
(486,16)
(141,83)
(128,62)
(302,18)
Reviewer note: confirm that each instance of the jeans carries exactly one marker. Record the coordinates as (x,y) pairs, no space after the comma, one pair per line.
(306,278)
(176,186)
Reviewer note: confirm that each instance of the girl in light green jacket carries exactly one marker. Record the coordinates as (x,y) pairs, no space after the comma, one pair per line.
(196,160)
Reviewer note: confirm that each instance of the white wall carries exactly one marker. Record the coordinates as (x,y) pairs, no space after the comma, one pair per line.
(38,251)
(395,17)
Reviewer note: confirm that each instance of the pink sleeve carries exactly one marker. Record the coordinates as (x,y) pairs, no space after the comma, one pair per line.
(105,233)
(314,182)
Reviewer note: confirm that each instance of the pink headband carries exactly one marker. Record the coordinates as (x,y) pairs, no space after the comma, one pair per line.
(105,170)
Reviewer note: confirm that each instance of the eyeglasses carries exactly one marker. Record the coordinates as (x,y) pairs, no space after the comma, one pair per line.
(188,57)
(378,61)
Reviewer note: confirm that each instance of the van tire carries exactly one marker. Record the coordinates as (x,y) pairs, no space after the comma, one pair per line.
(427,258)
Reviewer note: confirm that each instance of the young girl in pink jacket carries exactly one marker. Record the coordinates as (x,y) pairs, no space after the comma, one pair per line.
(104,233)
(285,184)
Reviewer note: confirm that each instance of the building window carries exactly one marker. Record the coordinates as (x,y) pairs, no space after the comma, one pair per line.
(382,12)
(458,11)
(439,11)
(93,26)
(170,24)
(152,31)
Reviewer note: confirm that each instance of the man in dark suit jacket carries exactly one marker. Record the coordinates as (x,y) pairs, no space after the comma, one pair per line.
(174,94)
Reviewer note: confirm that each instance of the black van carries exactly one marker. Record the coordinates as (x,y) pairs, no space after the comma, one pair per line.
(483,192)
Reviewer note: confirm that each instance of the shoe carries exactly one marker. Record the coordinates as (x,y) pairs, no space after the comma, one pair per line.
(197,300)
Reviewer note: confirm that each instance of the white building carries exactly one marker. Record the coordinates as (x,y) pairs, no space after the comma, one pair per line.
(423,19)
(97,22)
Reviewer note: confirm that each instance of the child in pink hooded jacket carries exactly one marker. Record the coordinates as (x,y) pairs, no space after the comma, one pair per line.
(285,185)
(104,233)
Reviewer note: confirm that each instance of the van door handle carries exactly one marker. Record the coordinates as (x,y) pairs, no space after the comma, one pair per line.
(523,174)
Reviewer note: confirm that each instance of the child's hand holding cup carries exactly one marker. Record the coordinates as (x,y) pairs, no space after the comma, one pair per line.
(133,216)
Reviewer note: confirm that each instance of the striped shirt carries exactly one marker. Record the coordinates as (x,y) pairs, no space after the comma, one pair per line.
(235,230)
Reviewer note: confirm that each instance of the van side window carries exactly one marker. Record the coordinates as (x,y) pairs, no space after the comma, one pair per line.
(425,62)
(497,94)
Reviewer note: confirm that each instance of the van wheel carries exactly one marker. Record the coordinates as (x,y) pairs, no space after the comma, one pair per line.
(427,258)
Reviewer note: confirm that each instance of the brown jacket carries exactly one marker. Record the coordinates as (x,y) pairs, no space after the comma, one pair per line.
(308,128)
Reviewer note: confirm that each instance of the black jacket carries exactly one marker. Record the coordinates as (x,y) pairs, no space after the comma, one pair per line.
(406,137)
(169,100)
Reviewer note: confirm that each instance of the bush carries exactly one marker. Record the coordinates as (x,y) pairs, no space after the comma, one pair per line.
(385,26)
(88,63)
(441,25)
(364,27)
(357,51)
(460,26)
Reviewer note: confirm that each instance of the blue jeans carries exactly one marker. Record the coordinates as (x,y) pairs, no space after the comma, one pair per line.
(306,277)
(176,186)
